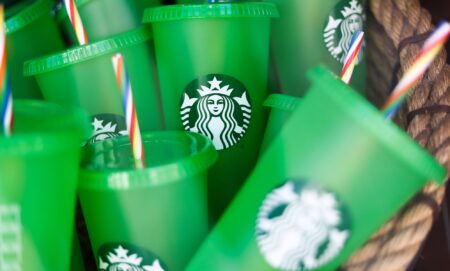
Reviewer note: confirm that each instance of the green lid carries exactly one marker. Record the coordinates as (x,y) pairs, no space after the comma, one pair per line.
(27,15)
(224,10)
(170,156)
(386,131)
(282,102)
(86,52)
(39,127)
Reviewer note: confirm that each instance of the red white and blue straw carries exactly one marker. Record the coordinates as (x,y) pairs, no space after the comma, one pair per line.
(6,113)
(412,76)
(130,111)
(75,19)
(352,57)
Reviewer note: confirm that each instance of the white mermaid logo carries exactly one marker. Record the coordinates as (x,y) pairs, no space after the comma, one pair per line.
(339,31)
(300,230)
(220,113)
(122,260)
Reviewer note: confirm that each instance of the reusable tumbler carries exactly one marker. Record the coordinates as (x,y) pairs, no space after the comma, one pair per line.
(336,172)
(281,110)
(30,32)
(153,218)
(212,64)
(310,32)
(38,172)
(84,76)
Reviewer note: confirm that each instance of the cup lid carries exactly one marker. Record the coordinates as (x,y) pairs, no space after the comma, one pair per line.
(86,52)
(29,14)
(200,155)
(386,131)
(41,127)
(213,10)
(282,102)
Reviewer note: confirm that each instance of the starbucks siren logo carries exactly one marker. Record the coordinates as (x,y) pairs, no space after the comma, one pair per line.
(344,21)
(121,257)
(301,227)
(217,106)
(107,126)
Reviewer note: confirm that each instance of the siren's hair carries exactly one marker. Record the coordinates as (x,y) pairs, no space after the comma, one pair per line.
(115,267)
(204,116)
(346,39)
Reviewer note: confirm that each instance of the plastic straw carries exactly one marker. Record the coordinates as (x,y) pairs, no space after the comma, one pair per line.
(134,132)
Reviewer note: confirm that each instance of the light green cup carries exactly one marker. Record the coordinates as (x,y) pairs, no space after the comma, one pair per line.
(281,108)
(336,172)
(158,213)
(38,173)
(84,77)
(212,64)
(31,32)
(310,32)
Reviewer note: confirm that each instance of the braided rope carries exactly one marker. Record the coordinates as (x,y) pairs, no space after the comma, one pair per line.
(394,37)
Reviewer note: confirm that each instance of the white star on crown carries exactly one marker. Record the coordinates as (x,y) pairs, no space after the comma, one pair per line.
(354,8)
(214,89)
(122,256)
(100,128)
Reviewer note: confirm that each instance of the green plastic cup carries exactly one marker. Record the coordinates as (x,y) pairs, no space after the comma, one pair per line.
(212,64)
(336,173)
(84,76)
(142,5)
(157,214)
(38,172)
(310,32)
(29,23)
(281,108)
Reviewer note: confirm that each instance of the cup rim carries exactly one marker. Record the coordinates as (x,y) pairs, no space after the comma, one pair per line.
(282,102)
(370,118)
(214,10)
(127,179)
(86,52)
(27,15)
(46,140)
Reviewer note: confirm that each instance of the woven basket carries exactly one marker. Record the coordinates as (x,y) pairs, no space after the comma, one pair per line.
(396,31)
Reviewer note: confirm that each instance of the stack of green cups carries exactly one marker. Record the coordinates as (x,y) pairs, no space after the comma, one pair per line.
(336,172)
(212,64)
(84,76)
(310,32)
(38,172)
(27,24)
(153,218)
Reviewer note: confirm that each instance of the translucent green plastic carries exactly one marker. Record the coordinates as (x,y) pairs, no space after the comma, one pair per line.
(193,41)
(299,40)
(38,173)
(31,32)
(281,108)
(336,140)
(84,77)
(161,209)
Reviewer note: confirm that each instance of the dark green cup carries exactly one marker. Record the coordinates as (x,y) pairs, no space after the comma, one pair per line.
(158,214)
(281,108)
(212,64)
(310,32)
(31,32)
(38,172)
(84,77)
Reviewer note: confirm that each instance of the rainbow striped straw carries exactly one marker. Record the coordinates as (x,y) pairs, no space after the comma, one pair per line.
(130,111)
(6,113)
(75,19)
(352,56)
(429,52)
